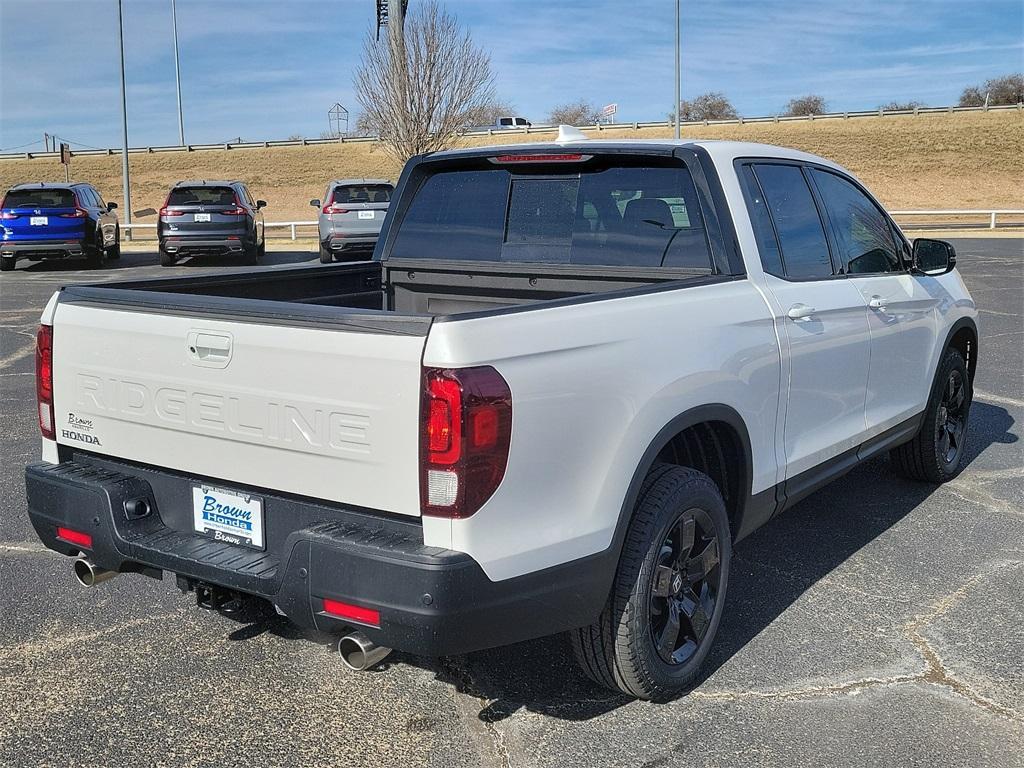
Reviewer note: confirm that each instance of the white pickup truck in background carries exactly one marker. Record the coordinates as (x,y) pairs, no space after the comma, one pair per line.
(572,377)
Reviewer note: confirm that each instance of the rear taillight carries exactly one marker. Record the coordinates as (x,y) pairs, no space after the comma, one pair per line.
(8,215)
(238,210)
(165,212)
(44,380)
(80,213)
(466,429)
(334,208)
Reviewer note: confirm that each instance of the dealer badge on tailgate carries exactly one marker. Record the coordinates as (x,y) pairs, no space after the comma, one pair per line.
(229,516)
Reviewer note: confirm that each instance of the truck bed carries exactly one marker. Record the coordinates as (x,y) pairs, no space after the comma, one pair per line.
(397,296)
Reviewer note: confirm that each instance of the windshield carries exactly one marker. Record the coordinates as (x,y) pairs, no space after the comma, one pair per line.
(39,198)
(643,216)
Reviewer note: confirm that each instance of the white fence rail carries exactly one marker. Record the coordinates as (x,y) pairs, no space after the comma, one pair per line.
(990,214)
(513,131)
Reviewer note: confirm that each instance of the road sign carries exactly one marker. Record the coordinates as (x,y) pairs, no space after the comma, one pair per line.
(609,110)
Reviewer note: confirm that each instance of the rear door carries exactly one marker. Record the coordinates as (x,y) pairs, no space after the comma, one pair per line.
(359,208)
(316,410)
(204,212)
(822,315)
(42,214)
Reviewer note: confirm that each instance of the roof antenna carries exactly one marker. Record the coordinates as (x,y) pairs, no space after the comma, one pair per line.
(567,133)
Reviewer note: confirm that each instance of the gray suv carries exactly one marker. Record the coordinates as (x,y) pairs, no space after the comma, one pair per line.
(351,216)
(211,218)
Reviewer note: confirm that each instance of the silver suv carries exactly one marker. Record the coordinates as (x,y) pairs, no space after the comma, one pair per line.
(351,216)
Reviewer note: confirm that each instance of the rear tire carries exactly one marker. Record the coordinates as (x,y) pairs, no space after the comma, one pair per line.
(936,453)
(114,251)
(670,585)
(326,257)
(167,259)
(261,251)
(7,263)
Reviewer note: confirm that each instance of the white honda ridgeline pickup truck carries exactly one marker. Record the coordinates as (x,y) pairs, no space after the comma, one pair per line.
(571,378)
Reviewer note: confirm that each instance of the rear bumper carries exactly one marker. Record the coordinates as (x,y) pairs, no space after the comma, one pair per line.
(432,602)
(205,246)
(43,249)
(351,243)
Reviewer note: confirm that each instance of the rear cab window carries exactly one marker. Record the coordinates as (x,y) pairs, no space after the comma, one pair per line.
(201,195)
(614,211)
(40,198)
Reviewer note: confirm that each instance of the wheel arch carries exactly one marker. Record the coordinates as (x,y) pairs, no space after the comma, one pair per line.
(718,422)
(963,336)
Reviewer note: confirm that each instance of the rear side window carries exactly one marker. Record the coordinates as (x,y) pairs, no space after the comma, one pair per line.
(862,232)
(363,193)
(620,215)
(798,227)
(40,198)
(201,196)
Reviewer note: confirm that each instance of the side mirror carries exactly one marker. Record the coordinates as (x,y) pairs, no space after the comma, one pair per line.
(261,204)
(315,202)
(933,257)
(111,206)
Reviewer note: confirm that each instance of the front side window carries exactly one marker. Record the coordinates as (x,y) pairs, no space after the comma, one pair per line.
(801,236)
(620,215)
(863,235)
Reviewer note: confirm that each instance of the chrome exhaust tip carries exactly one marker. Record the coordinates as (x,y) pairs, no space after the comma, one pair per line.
(359,653)
(88,574)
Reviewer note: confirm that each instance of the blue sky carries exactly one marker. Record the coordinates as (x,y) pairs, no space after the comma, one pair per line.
(270,68)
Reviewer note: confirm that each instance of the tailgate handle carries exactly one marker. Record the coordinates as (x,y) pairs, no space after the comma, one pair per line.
(212,349)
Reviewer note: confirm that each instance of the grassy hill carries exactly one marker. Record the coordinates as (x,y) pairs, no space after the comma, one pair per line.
(965,160)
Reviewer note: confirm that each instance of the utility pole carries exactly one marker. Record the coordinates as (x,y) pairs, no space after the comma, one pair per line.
(177,75)
(125,182)
(399,61)
(677,110)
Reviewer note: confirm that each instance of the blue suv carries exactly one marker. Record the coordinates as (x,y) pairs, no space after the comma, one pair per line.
(57,221)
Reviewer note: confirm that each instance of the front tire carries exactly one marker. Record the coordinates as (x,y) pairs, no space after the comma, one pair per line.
(114,251)
(936,453)
(669,590)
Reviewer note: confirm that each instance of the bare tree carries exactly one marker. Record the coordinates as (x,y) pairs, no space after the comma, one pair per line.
(1008,89)
(707,106)
(580,112)
(811,104)
(417,86)
(898,106)
(487,114)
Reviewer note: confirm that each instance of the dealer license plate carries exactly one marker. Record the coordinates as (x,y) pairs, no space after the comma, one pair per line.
(366,214)
(229,516)
(38,221)
(202,217)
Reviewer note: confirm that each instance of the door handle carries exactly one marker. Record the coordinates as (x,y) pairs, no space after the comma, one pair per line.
(209,349)
(876,302)
(801,313)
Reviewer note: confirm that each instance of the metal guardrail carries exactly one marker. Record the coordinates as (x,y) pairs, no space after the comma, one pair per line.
(992,215)
(512,131)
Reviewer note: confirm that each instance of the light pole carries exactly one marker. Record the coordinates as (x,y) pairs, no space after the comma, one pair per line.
(125,182)
(676,110)
(177,74)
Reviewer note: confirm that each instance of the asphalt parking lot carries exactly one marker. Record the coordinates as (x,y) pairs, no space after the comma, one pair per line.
(880,622)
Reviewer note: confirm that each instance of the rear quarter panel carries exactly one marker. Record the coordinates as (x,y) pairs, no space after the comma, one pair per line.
(592,385)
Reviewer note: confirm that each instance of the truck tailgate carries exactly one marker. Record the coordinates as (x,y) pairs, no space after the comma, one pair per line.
(325,412)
